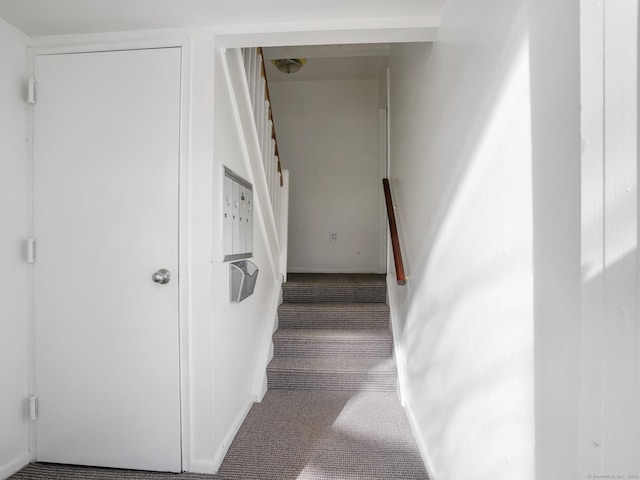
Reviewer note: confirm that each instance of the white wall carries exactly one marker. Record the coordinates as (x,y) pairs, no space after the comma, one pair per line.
(555,94)
(13,284)
(239,330)
(328,139)
(460,167)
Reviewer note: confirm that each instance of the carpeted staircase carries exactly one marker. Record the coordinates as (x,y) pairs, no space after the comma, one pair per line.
(333,335)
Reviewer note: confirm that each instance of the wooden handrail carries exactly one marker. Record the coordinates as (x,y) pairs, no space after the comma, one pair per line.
(393,229)
(263,72)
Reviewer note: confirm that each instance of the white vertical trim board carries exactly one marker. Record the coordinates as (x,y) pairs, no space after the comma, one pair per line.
(592,239)
(283,223)
(608,425)
(184,242)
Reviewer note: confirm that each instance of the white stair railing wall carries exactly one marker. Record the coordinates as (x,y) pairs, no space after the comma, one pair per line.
(250,96)
(248,93)
(263,115)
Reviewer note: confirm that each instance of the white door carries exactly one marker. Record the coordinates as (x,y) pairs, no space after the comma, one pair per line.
(106,146)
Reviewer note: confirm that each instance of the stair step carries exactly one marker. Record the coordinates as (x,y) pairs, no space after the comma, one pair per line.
(334,335)
(333,315)
(336,373)
(332,288)
(328,343)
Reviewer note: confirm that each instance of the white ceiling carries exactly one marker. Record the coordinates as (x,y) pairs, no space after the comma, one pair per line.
(60,17)
(330,62)
(341,68)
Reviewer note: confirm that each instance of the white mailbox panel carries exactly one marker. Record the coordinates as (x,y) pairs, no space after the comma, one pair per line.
(238,217)
(227,223)
(249,221)
(235,218)
(242,242)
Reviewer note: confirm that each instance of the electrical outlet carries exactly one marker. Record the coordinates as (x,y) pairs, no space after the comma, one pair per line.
(333,237)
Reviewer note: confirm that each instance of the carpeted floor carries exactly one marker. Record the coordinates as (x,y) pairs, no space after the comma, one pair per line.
(305,435)
(331,412)
(319,435)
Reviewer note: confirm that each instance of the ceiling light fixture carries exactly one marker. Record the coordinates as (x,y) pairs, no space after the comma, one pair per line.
(289,65)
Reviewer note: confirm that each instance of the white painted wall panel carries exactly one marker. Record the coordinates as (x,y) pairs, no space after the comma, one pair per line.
(328,139)
(592,252)
(196,250)
(460,168)
(621,342)
(609,429)
(13,284)
(555,99)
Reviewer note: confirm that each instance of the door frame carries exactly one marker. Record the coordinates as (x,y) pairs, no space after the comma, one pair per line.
(184,44)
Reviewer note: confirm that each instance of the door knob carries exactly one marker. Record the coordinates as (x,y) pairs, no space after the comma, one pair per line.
(162,276)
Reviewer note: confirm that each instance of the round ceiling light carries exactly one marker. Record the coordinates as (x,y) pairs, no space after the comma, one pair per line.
(289,65)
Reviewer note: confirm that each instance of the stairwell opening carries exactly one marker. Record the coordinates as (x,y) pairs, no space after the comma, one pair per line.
(331,122)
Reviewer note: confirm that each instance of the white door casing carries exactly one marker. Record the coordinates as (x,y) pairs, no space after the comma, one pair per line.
(106,159)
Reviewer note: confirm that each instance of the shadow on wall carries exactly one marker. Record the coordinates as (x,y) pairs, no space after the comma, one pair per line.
(467,324)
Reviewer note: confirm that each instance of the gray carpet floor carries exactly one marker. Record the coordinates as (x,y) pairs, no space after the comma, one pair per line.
(305,435)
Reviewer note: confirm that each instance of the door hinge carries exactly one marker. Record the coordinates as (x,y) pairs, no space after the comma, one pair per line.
(31,91)
(31,250)
(33,408)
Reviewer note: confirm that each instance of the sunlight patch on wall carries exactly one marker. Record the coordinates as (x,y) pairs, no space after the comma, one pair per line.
(469,330)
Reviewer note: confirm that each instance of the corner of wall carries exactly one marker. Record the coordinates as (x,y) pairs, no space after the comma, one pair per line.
(395,315)
(14,332)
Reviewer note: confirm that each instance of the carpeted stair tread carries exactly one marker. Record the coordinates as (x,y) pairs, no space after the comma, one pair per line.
(331,288)
(337,278)
(332,373)
(334,364)
(326,342)
(333,315)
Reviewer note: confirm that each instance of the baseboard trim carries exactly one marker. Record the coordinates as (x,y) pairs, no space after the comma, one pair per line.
(14,465)
(231,434)
(398,348)
(401,364)
(202,466)
(420,441)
